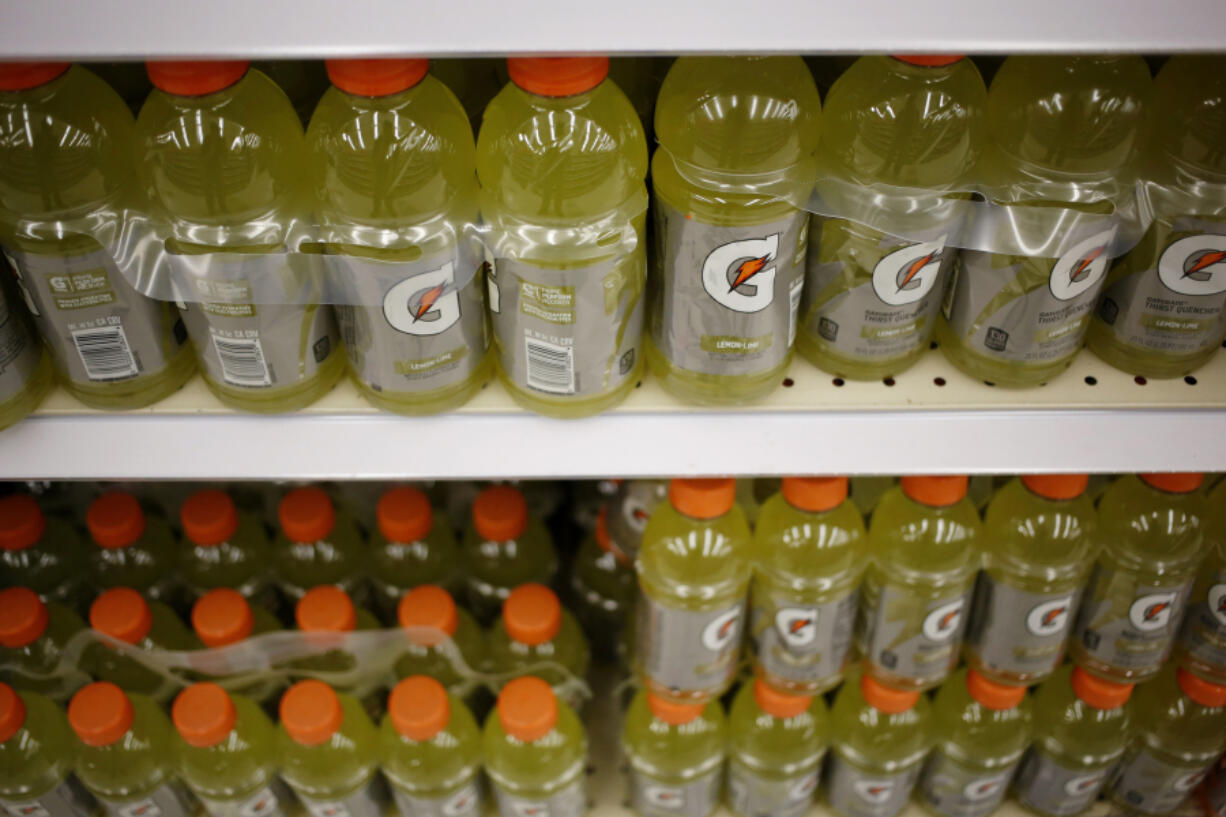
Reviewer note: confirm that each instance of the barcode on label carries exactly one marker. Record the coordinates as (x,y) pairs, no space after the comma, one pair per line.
(551,368)
(105,353)
(242,361)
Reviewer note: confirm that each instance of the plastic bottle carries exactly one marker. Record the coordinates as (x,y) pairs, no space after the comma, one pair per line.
(1151,529)
(1038,546)
(36,758)
(226,753)
(629,511)
(394,165)
(535,631)
(125,615)
(1080,730)
(324,612)
(222,155)
(410,546)
(134,549)
(562,160)
(504,547)
(916,593)
(810,551)
(430,751)
(982,728)
(328,752)
(676,756)
(1063,132)
(777,742)
(33,636)
(316,545)
(26,373)
(1202,644)
(914,122)
(429,613)
(1161,314)
(881,737)
(67,175)
(223,547)
(221,618)
(603,584)
(693,578)
(42,552)
(535,753)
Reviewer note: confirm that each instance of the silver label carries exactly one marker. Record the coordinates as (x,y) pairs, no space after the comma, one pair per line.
(685,650)
(570,801)
(1215,794)
(365,802)
(68,799)
(854,792)
(1017,632)
(19,352)
(169,800)
(912,636)
(1046,785)
(1204,632)
(956,790)
(696,798)
(466,802)
(804,643)
(272,800)
(1129,625)
(755,795)
(1151,785)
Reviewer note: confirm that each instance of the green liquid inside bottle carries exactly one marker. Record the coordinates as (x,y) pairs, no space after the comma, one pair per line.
(42,657)
(36,759)
(774,759)
(676,756)
(50,564)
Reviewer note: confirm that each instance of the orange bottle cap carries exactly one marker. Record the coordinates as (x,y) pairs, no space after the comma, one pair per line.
(1099,692)
(815,493)
(326,609)
(18,76)
(311,712)
(195,77)
(1198,689)
(204,715)
(222,617)
(376,77)
(22,522)
(306,515)
(527,708)
(936,492)
(1056,486)
(404,515)
(532,614)
(991,694)
(779,704)
(115,520)
(557,76)
(672,712)
(428,605)
(1174,483)
(100,713)
(885,698)
(23,617)
(500,513)
(419,707)
(702,498)
(209,518)
(121,613)
(12,712)
(929,60)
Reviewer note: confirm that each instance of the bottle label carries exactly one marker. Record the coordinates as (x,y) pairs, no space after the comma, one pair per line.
(910,635)
(1151,785)
(854,792)
(466,802)
(68,799)
(1215,793)
(272,800)
(951,788)
(418,329)
(19,351)
(169,800)
(696,798)
(1016,632)
(1046,785)
(871,296)
(688,651)
(569,801)
(1204,632)
(367,801)
(803,643)
(755,795)
(1129,625)
(727,298)
(98,328)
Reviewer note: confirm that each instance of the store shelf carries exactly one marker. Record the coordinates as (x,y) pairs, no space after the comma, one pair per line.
(314,28)
(931,420)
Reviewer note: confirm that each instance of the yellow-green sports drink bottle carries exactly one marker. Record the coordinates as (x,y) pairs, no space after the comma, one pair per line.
(915,123)
(26,373)
(125,615)
(737,136)
(223,617)
(505,546)
(629,511)
(33,641)
(1202,644)
(134,548)
(1163,312)
(562,161)
(429,616)
(1151,528)
(411,545)
(36,759)
(68,166)
(324,612)
(393,161)
(223,547)
(222,155)
(317,544)
(536,636)
(1063,131)
(603,584)
(42,551)
(676,756)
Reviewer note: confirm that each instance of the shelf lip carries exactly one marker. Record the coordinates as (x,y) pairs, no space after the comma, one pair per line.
(312,28)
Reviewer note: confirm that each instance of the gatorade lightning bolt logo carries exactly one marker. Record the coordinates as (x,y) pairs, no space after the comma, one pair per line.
(875,792)
(425,304)
(1188,781)
(909,273)
(942,623)
(1152,612)
(797,626)
(1217,603)
(803,788)
(1194,265)
(983,789)
(741,275)
(671,799)
(1082,268)
(722,630)
(1082,785)
(1050,617)
(27,810)
(263,803)
(145,808)
(461,803)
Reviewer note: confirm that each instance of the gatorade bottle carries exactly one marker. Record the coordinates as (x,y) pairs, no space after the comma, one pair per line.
(918,586)
(536,636)
(1202,645)
(34,636)
(881,737)
(503,548)
(226,753)
(629,511)
(430,751)
(316,545)
(430,616)
(221,618)
(323,612)
(535,752)
(1179,731)
(1162,314)
(912,122)
(328,752)
(41,552)
(409,547)
(36,757)
(1080,731)
(810,551)
(67,177)
(693,577)
(222,547)
(394,166)
(135,549)
(25,367)
(1038,545)
(981,730)
(776,745)
(1063,132)
(125,615)
(562,160)
(1151,529)
(603,584)
(125,753)
(676,756)
(223,157)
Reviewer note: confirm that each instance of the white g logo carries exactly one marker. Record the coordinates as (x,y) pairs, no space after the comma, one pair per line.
(875,792)
(1082,785)
(1152,612)
(426,304)
(1194,265)
(1050,617)
(983,789)
(741,275)
(909,273)
(664,797)
(797,626)
(1217,602)
(1082,268)
(721,631)
(942,623)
